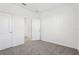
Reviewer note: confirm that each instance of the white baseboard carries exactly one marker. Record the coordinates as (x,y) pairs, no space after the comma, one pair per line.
(60,44)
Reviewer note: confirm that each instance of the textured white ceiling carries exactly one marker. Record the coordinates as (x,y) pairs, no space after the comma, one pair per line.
(35,7)
(39,7)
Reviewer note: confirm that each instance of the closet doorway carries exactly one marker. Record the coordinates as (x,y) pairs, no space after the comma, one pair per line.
(36,29)
(32,29)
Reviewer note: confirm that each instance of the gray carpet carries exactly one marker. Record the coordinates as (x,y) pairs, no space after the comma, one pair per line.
(38,47)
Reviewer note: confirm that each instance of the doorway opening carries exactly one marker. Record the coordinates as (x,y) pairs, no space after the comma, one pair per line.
(32,29)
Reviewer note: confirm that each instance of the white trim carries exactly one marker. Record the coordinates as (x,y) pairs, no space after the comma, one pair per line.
(61,44)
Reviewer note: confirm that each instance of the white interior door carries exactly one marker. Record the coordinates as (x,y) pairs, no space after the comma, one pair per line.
(35,29)
(5,36)
(18,30)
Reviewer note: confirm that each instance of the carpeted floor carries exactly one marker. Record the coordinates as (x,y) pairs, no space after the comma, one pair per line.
(38,47)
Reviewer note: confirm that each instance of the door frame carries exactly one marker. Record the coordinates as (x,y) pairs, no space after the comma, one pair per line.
(39,30)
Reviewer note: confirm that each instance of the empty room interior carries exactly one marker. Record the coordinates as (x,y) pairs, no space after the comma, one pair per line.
(39,28)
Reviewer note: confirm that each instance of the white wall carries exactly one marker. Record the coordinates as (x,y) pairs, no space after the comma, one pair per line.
(18,14)
(78,26)
(28,16)
(59,25)
(16,10)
